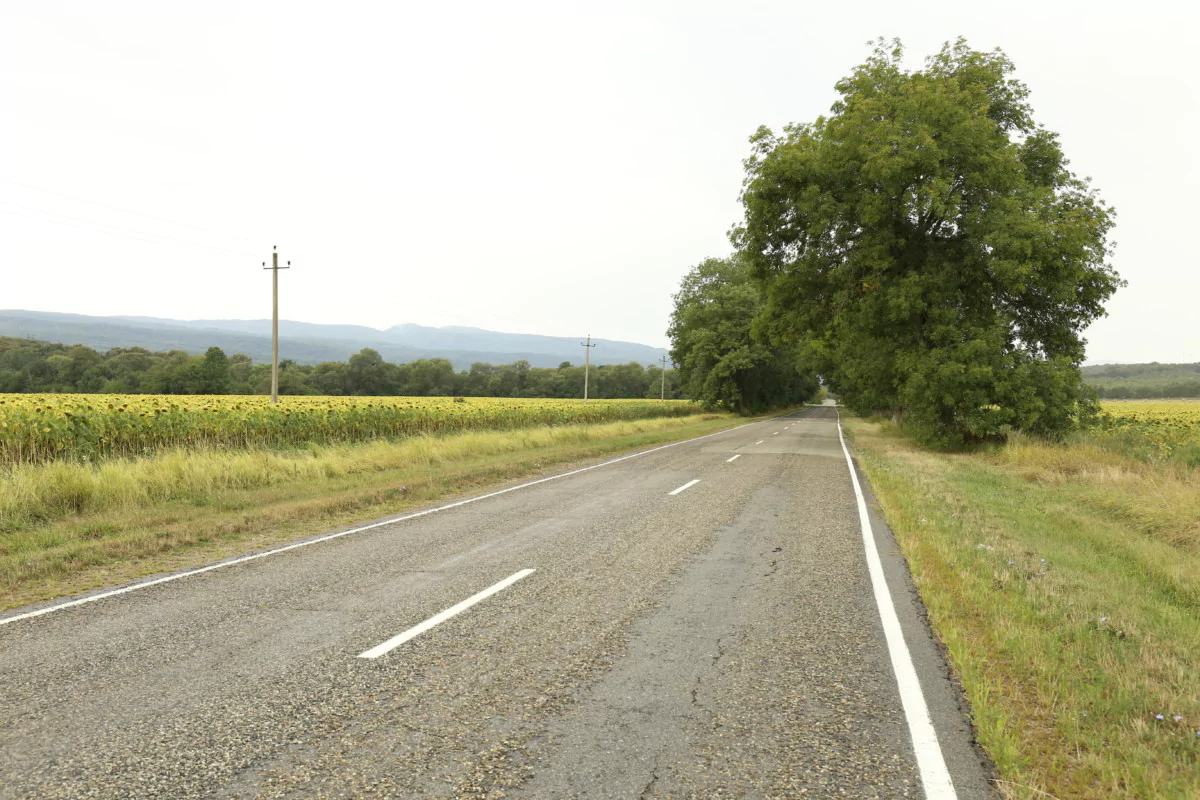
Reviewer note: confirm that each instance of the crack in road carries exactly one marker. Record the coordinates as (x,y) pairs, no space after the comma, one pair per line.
(712,665)
(650,784)
(720,651)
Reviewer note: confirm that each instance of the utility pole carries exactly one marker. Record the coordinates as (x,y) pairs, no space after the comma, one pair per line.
(662,392)
(586,364)
(275,322)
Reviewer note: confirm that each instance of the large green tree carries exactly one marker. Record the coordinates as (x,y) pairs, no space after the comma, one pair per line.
(721,362)
(927,245)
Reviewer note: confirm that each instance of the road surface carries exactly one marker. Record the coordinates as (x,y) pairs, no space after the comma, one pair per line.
(696,621)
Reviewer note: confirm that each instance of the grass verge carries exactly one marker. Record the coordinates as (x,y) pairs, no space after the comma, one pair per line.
(1065,585)
(71,527)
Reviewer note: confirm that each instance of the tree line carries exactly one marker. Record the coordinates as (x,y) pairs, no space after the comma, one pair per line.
(28,365)
(1141,381)
(1150,391)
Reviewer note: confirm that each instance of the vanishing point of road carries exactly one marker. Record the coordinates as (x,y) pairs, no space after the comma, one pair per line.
(720,618)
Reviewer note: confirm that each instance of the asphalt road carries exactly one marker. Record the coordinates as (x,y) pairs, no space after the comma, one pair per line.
(716,642)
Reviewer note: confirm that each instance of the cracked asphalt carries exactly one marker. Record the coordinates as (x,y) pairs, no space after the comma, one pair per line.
(722,642)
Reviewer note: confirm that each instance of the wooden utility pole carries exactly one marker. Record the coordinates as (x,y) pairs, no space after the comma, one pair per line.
(275,322)
(662,392)
(586,364)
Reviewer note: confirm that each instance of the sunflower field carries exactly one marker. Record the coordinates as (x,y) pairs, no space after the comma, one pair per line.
(40,428)
(1153,430)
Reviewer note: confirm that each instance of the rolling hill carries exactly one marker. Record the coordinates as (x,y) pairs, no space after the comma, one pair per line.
(1144,380)
(310,343)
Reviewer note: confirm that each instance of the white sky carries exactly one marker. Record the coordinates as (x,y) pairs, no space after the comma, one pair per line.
(538,168)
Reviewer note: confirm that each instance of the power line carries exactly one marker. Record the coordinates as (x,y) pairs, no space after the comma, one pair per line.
(587,353)
(127,211)
(109,233)
(275,321)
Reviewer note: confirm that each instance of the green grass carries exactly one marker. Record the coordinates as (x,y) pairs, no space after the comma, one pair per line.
(69,527)
(1064,582)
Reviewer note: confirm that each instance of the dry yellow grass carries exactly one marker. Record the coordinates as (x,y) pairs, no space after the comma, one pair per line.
(69,527)
(1161,498)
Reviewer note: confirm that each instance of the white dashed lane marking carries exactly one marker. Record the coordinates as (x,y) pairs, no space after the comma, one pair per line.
(438,619)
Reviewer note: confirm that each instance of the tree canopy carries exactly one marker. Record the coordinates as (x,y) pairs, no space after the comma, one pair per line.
(720,360)
(926,245)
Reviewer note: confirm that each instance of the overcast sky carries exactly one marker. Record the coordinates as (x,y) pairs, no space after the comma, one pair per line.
(538,168)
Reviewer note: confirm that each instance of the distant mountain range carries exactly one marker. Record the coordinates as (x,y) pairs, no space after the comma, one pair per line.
(309,343)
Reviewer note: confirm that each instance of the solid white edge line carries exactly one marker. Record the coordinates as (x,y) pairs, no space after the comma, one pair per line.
(687,485)
(735,458)
(438,619)
(934,776)
(296,545)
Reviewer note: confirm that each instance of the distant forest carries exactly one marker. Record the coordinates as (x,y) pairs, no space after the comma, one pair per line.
(1122,381)
(29,365)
